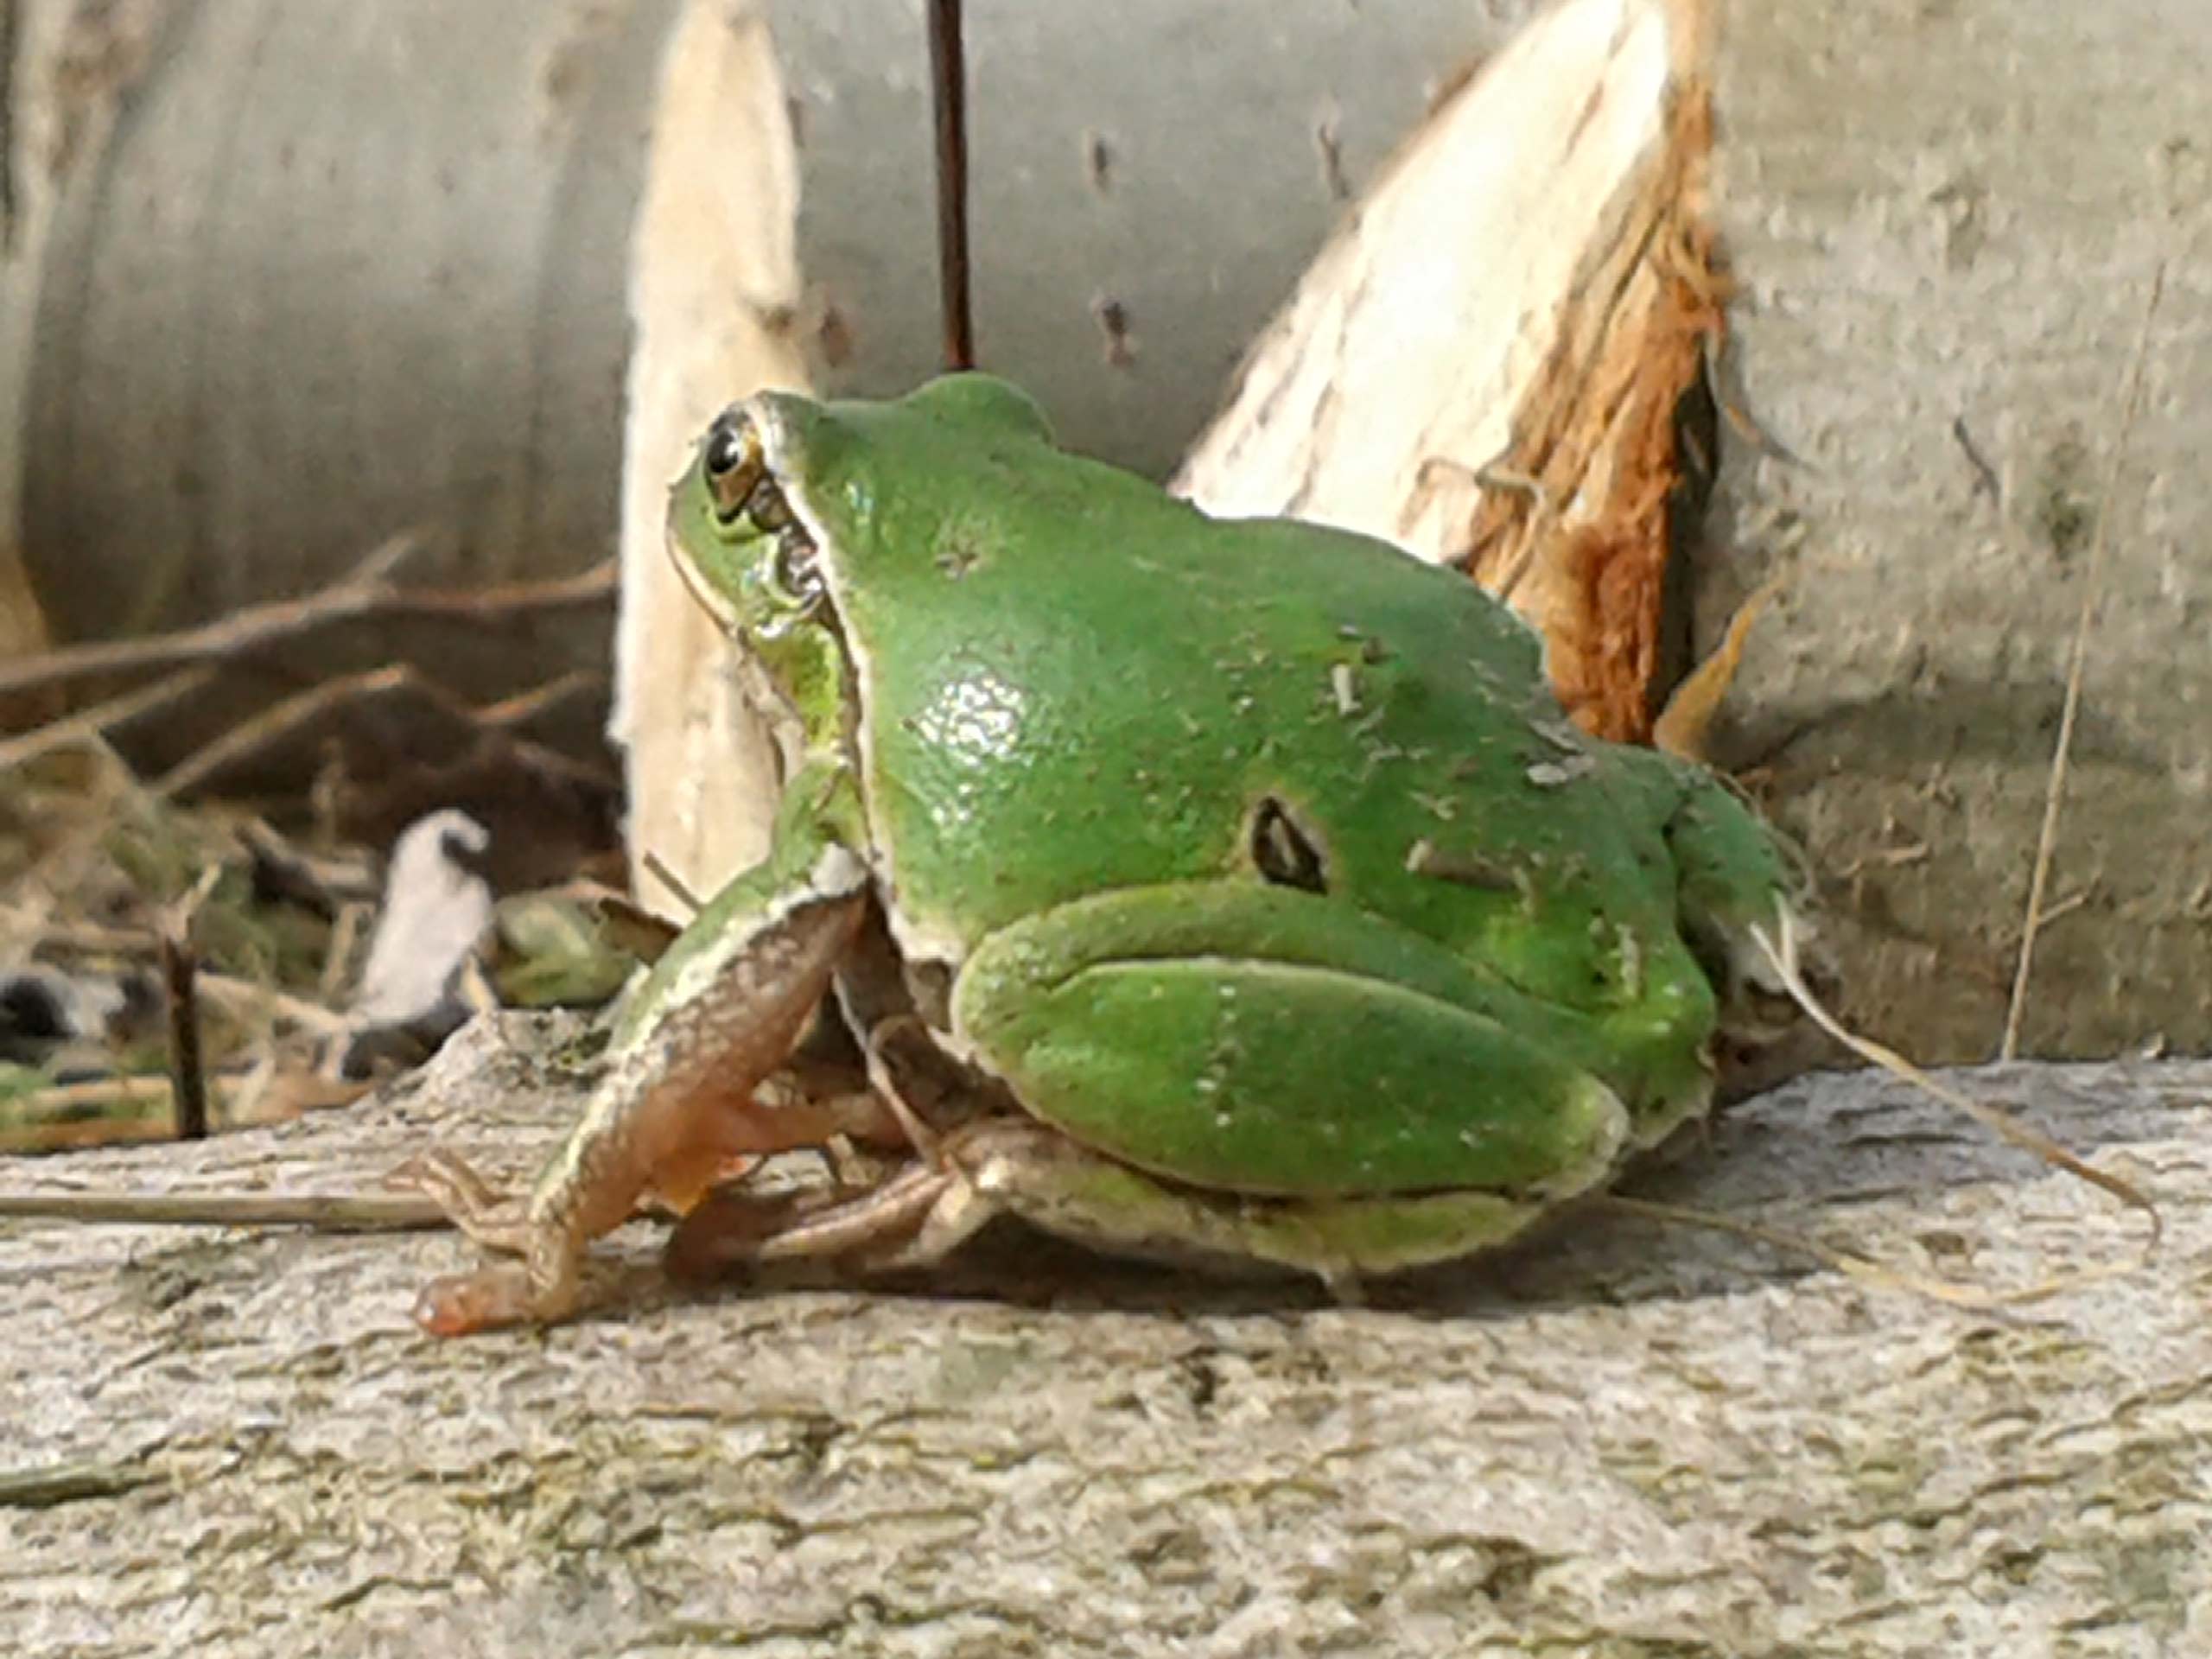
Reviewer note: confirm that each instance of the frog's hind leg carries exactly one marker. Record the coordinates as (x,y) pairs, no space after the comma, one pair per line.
(1028,1170)
(884,1225)
(490,1218)
(1018,1167)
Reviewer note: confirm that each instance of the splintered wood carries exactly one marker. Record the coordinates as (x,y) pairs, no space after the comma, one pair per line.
(715,291)
(1486,363)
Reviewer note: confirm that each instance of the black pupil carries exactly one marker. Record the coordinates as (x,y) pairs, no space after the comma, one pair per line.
(725,448)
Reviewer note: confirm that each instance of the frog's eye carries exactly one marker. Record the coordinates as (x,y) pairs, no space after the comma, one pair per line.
(731,463)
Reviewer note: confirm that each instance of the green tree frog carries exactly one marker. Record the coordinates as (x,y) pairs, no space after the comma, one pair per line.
(1249,868)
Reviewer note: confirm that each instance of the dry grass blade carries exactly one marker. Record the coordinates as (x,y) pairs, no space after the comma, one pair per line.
(1872,1273)
(1782,957)
(363,588)
(2091,590)
(246,997)
(100,1112)
(95,721)
(1688,716)
(365,591)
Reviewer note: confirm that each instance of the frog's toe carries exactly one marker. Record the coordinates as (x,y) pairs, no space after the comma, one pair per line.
(489,1218)
(724,1229)
(483,1300)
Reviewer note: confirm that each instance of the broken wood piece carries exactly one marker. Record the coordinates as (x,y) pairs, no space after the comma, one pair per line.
(1487,364)
(714,296)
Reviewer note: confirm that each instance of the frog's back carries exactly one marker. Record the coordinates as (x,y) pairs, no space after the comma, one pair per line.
(1077,683)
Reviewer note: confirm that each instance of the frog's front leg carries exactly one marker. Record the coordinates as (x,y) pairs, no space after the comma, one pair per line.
(722,1012)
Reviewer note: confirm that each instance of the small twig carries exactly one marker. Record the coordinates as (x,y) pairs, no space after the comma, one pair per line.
(187,1080)
(323,1212)
(277,720)
(657,867)
(1329,145)
(502,601)
(362,588)
(67,1101)
(948,87)
(305,709)
(50,1485)
(95,720)
(365,591)
(1985,476)
(320,882)
(526,706)
(86,938)
(345,940)
(9,201)
(2092,589)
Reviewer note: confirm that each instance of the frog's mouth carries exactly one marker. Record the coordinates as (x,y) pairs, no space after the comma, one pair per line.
(776,593)
(749,553)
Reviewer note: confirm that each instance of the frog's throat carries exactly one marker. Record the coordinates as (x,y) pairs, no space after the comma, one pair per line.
(848,732)
(808,676)
(768,703)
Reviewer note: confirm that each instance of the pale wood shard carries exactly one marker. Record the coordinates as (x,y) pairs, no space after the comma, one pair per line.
(1485,363)
(714,288)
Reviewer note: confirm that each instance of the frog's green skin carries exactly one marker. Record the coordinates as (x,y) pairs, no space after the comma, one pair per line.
(1254,861)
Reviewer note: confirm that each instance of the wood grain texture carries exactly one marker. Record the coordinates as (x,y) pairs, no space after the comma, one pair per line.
(1635,1442)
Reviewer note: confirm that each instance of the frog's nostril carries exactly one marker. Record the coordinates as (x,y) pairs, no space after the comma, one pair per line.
(1283,851)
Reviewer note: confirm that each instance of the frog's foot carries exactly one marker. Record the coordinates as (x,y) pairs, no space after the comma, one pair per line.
(1018,1167)
(683,1098)
(507,1292)
(734,1227)
(496,1220)
(1027,1169)
(502,1294)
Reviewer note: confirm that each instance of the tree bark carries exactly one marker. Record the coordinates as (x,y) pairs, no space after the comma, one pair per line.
(1945,220)
(1624,1440)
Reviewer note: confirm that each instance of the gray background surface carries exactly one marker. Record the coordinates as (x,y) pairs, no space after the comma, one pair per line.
(1218,195)
(1949,212)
